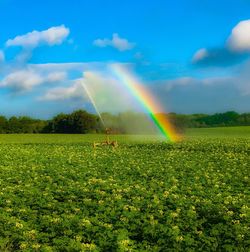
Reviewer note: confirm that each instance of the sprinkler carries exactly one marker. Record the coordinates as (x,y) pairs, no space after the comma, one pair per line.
(114,144)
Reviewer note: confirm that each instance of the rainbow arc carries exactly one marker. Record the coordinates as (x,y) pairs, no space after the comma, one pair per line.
(153,108)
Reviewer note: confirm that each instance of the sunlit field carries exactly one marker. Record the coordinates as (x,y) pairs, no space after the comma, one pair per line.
(58,193)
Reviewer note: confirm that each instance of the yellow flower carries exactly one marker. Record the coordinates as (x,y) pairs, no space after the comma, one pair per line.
(179,238)
(230,213)
(199,232)
(19,225)
(243,215)
(174,214)
(55,220)
(88,246)
(85,222)
(23,245)
(31,234)
(36,246)
(78,238)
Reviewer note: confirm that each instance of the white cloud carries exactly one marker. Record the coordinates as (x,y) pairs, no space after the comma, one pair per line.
(23,80)
(18,78)
(239,39)
(102,42)
(76,91)
(2,57)
(26,79)
(117,42)
(200,54)
(52,36)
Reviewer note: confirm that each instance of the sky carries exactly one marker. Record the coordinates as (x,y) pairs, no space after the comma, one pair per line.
(193,56)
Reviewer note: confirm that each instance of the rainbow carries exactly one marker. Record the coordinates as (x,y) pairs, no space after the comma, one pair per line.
(145,98)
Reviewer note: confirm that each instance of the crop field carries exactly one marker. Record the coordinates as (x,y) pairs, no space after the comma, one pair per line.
(58,193)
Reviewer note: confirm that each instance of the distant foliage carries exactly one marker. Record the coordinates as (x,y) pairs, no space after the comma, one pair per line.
(77,122)
(81,122)
(229,118)
(22,124)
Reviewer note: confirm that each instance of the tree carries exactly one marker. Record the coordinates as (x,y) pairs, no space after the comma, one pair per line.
(244,119)
(82,122)
(77,122)
(60,124)
(3,124)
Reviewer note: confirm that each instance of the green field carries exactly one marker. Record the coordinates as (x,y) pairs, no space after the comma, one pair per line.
(58,193)
(221,132)
(197,133)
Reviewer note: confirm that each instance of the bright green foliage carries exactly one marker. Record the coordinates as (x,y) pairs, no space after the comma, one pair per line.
(66,196)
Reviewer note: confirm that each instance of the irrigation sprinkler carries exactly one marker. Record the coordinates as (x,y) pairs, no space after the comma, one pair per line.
(107,142)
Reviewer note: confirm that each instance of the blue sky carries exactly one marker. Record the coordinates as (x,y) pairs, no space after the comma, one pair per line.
(193,55)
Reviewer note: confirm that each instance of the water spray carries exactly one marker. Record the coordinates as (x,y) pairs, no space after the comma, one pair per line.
(93,103)
(103,89)
(108,131)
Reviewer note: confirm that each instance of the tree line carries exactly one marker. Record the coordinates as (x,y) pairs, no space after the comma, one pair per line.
(82,122)
(77,122)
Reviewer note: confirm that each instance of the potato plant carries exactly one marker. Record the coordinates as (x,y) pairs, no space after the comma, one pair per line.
(63,196)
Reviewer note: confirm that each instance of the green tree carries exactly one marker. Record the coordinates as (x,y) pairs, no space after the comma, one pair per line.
(77,122)
(3,124)
(82,122)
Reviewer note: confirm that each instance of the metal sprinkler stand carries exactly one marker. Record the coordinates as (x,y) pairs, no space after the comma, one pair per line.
(108,132)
